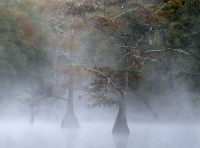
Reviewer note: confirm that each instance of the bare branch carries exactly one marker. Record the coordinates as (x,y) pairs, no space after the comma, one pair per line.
(58,98)
(162,6)
(123,13)
(97,71)
(95,26)
(166,49)
(150,29)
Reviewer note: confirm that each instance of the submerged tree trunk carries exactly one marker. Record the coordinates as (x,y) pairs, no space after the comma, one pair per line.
(70,120)
(120,140)
(146,102)
(121,125)
(170,81)
(172,113)
(155,115)
(32,116)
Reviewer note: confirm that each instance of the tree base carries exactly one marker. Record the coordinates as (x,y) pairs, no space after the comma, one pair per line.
(32,119)
(121,140)
(31,122)
(120,128)
(70,121)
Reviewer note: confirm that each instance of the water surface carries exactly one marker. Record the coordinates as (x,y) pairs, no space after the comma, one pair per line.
(97,135)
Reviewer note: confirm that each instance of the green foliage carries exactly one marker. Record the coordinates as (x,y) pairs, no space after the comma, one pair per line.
(183,22)
(184,34)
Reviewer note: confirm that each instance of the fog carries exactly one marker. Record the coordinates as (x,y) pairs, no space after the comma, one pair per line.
(122,86)
(97,135)
(183,131)
(95,132)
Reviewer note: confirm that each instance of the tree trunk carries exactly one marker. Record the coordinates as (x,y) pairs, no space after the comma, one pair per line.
(70,120)
(120,140)
(170,83)
(120,125)
(146,102)
(32,116)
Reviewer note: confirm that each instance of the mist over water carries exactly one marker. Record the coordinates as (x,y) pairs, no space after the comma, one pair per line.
(96,130)
(97,135)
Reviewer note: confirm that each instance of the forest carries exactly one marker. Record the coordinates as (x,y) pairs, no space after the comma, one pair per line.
(125,61)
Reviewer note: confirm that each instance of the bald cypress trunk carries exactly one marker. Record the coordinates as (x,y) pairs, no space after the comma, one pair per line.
(120,140)
(170,82)
(146,102)
(121,125)
(32,116)
(172,113)
(70,120)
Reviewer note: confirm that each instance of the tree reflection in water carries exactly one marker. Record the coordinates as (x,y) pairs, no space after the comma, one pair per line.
(120,140)
(70,136)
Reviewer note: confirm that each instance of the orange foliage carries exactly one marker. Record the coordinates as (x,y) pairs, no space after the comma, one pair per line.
(21,18)
(41,9)
(64,70)
(48,90)
(55,5)
(176,2)
(118,23)
(77,24)
(48,5)
(29,29)
(84,74)
(136,61)
(134,77)
(132,61)
(101,21)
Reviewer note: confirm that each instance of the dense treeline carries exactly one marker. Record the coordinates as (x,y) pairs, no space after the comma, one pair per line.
(25,58)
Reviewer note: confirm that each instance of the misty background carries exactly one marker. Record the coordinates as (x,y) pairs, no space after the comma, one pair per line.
(81,73)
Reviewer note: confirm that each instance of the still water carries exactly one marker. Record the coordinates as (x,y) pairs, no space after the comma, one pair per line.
(98,135)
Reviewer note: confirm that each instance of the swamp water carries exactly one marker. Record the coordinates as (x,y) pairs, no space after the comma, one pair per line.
(98,135)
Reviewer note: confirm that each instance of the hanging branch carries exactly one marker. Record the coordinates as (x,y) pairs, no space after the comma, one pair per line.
(162,6)
(166,49)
